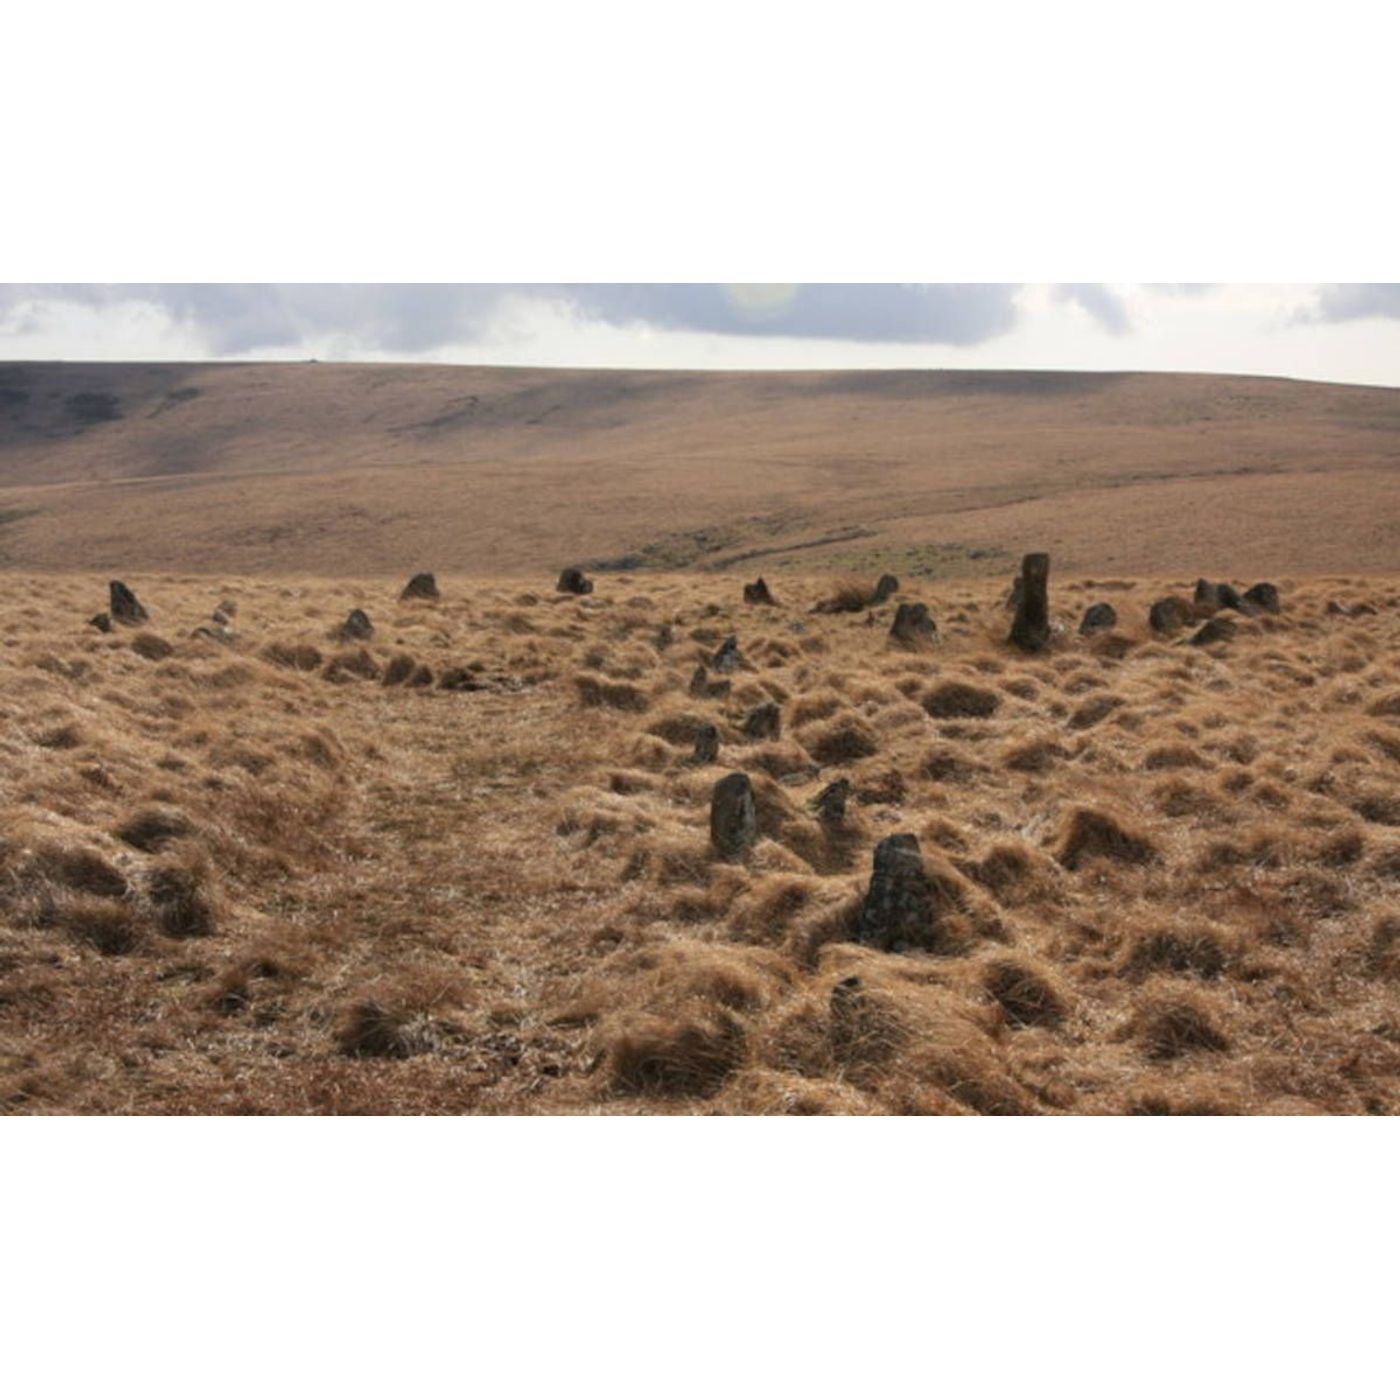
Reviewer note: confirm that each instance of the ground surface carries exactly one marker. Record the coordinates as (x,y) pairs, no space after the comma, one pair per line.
(252,876)
(366,469)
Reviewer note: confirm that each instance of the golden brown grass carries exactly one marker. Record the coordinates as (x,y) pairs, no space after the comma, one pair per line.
(260,875)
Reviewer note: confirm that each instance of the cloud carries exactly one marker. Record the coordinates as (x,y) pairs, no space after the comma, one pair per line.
(1100,301)
(1354,301)
(237,318)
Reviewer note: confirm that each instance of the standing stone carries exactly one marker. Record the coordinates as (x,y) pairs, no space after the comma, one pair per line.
(1229,597)
(1031,628)
(887,587)
(727,658)
(1263,595)
(574,581)
(123,605)
(356,628)
(420,586)
(899,907)
(830,802)
(706,745)
(758,593)
(1169,614)
(764,722)
(733,816)
(1100,617)
(913,627)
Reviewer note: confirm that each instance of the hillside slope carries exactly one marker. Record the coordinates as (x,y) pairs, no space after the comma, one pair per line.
(372,469)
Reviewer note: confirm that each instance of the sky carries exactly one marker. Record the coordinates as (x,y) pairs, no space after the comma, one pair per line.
(1343,332)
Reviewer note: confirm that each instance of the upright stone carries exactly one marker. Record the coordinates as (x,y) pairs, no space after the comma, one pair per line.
(913,627)
(1030,630)
(899,910)
(123,605)
(706,745)
(733,816)
(574,581)
(887,587)
(420,586)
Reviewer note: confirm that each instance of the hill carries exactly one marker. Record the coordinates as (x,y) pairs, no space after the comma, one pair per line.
(375,469)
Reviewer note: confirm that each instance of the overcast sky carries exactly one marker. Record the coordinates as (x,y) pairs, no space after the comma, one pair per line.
(1345,332)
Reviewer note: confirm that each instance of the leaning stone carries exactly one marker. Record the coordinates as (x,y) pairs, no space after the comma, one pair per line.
(912,626)
(420,586)
(123,605)
(356,628)
(758,593)
(706,745)
(1169,614)
(1031,628)
(574,581)
(1100,617)
(764,722)
(1263,595)
(733,816)
(1230,597)
(899,910)
(887,587)
(830,802)
(1218,629)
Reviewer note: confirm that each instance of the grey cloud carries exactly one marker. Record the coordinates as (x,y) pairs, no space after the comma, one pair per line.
(1100,301)
(235,318)
(1353,301)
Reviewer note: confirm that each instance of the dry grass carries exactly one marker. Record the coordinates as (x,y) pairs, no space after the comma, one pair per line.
(255,875)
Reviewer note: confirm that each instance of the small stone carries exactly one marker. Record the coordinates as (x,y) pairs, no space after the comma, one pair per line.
(420,586)
(356,628)
(1264,595)
(733,816)
(706,745)
(665,636)
(887,587)
(758,593)
(913,627)
(103,622)
(1218,629)
(574,581)
(764,722)
(830,802)
(727,658)
(703,688)
(124,606)
(1099,617)
(1169,614)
